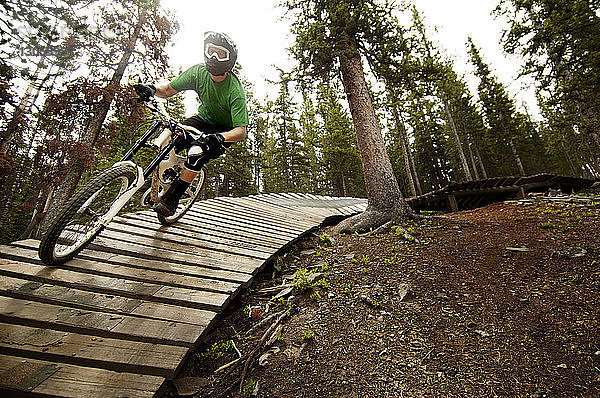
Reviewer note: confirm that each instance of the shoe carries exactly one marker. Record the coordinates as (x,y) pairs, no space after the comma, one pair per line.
(166,208)
(170,200)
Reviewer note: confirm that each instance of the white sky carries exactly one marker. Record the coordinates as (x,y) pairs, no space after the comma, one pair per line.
(262,38)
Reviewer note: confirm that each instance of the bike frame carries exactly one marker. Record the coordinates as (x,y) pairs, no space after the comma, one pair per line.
(164,123)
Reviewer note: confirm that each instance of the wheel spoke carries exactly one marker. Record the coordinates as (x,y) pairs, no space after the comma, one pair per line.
(87,220)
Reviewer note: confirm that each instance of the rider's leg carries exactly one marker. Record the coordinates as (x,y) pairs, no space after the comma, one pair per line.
(194,163)
(188,175)
(170,200)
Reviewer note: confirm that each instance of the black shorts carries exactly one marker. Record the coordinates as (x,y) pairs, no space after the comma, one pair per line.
(203,126)
(196,163)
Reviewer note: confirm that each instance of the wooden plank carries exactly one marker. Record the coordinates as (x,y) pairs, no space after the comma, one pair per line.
(95,283)
(311,213)
(191,257)
(56,317)
(452,205)
(225,232)
(130,229)
(75,298)
(354,209)
(32,377)
(218,241)
(254,208)
(253,218)
(203,214)
(228,225)
(134,274)
(196,255)
(302,207)
(159,265)
(257,210)
(85,350)
(270,202)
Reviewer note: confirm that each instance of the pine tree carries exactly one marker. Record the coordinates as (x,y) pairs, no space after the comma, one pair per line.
(288,168)
(500,113)
(340,157)
(332,36)
(559,42)
(310,132)
(148,31)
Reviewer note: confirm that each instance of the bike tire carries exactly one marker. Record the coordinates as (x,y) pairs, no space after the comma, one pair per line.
(91,194)
(186,202)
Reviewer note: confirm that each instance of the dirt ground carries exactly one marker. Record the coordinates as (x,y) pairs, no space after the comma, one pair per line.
(498,301)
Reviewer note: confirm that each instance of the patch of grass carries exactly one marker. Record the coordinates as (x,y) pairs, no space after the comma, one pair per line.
(307,335)
(391,260)
(278,264)
(577,279)
(301,280)
(364,260)
(348,289)
(325,239)
(249,388)
(304,281)
(216,351)
(547,225)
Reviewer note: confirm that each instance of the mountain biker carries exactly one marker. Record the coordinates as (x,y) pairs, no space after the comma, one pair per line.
(222,116)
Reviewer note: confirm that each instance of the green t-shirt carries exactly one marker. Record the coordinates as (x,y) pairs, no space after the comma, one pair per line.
(223,104)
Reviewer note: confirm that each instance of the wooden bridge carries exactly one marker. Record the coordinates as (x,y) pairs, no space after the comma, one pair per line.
(120,318)
(472,194)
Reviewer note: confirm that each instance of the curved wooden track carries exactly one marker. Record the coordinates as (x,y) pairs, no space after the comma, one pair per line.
(120,318)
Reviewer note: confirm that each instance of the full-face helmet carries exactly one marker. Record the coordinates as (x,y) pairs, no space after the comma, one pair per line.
(220,53)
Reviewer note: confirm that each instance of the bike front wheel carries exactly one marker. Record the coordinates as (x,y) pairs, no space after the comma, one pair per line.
(82,217)
(187,200)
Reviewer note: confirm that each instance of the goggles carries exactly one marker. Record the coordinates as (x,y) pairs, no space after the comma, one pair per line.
(219,53)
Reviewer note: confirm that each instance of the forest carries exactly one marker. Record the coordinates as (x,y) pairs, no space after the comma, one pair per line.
(66,108)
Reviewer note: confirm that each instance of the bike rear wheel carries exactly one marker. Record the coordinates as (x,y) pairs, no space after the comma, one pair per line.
(80,220)
(187,200)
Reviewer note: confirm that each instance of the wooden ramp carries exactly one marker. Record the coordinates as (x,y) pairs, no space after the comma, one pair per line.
(472,194)
(120,318)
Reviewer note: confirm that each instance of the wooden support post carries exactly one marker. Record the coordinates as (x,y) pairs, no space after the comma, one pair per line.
(522,194)
(452,203)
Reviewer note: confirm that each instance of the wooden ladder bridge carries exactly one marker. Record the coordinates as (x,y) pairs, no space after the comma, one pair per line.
(121,318)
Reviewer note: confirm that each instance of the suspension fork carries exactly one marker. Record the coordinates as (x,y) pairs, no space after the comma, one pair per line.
(160,157)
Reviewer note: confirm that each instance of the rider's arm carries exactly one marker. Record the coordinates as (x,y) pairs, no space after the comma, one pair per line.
(165,91)
(236,134)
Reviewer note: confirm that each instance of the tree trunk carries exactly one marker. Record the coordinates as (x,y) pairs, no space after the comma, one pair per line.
(517,157)
(25,104)
(461,153)
(92,131)
(401,131)
(385,201)
(480,160)
(411,157)
(471,157)
(412,160)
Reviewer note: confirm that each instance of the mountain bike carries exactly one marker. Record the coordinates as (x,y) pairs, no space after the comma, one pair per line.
(99,200)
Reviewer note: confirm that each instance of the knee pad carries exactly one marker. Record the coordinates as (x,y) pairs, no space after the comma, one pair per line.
(195,158)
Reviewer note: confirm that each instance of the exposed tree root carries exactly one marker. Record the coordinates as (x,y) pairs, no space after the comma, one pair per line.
(399,230)
(258,347)
(375,221)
